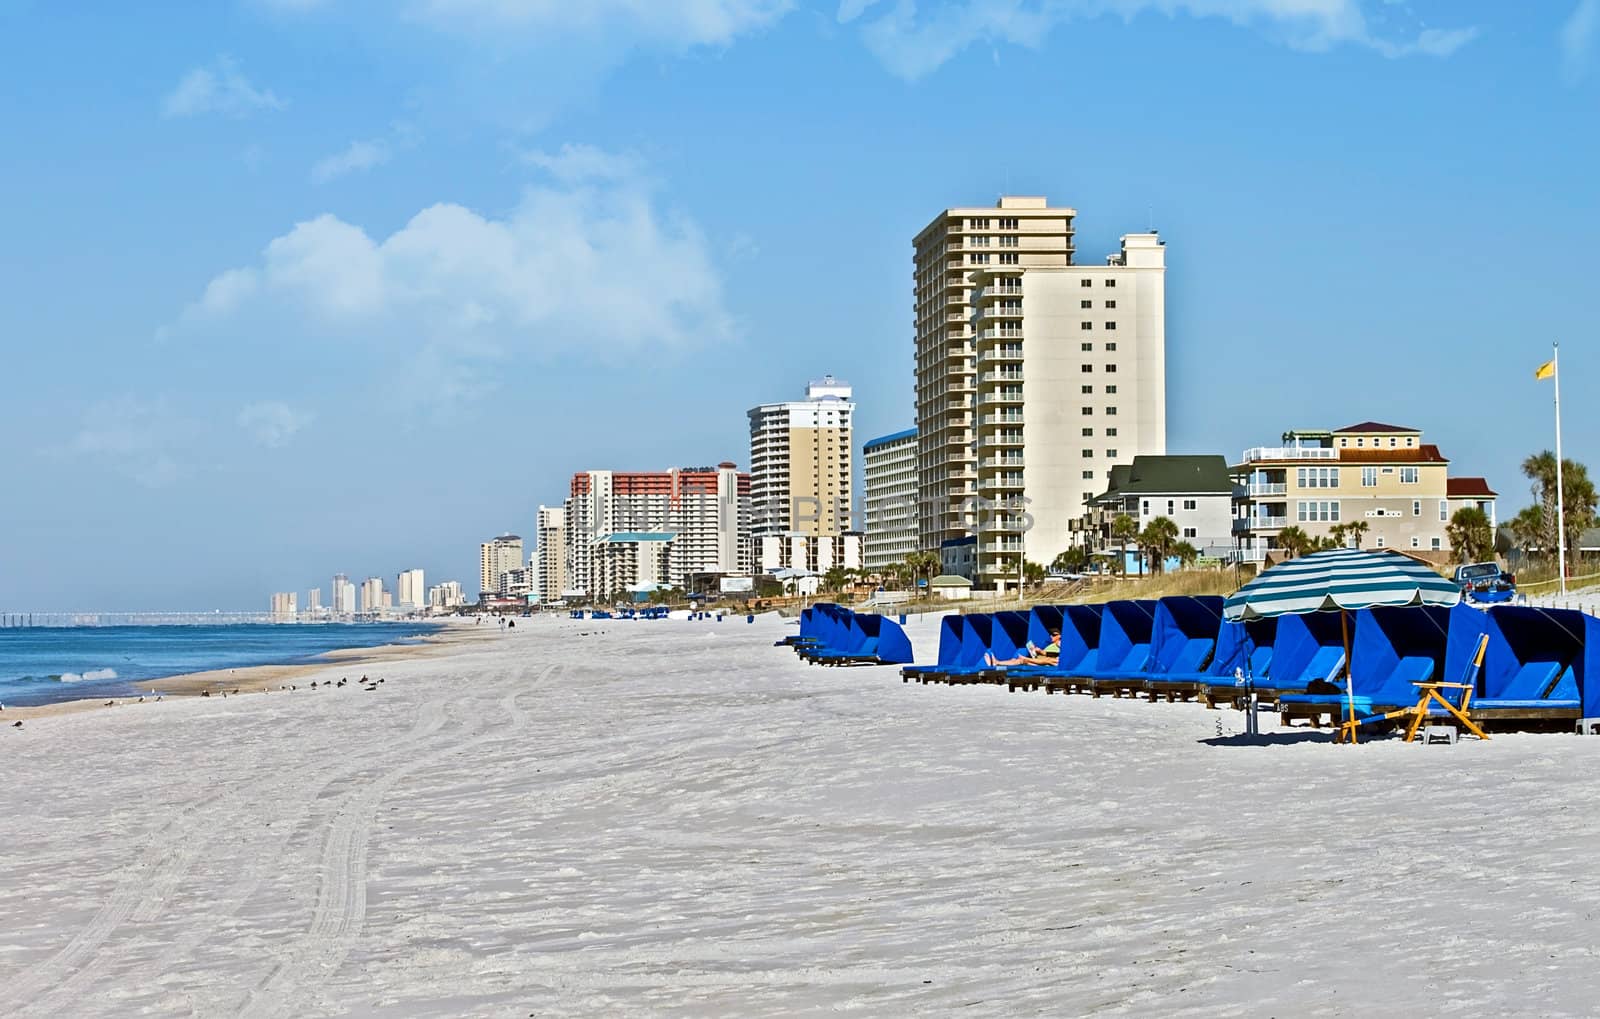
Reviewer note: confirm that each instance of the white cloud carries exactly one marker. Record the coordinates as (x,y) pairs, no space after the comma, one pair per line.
(272,422)
(913,41)
(356,157)
(587,261)
(131,437)
(220,88)
(677,24)
(1578,34)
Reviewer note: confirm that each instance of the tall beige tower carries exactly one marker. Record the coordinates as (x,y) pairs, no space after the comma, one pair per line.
(551,553)
(496,558)
(801,463)
(1017,232)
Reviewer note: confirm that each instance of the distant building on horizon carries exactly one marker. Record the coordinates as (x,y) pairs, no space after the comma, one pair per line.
(496,558)
(283,607)
(889,494)
(706,510)
(314,599)
(802,461)
(631,561)
(445,596)
(410,592)
(371,595)
(550,554)
(344,595)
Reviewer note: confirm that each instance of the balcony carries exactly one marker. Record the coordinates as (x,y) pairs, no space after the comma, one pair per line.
(998,462)
(1002,480)
(1266,488)
(1001,375)
(1247,524)
(1003,352)
(1002,418)
(1000,333)
(1267,453)
(1003,439)
(1001,396)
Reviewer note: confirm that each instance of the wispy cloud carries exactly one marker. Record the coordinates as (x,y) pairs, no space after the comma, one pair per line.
(219,88)
(356,157)
(678,24)
(913,40)
(1578,35)
(273,423)
(589,260)
(132,437)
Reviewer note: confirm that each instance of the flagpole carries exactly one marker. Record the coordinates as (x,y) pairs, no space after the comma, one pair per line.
(1561,517)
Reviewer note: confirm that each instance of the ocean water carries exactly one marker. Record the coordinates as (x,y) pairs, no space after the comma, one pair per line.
(43,665)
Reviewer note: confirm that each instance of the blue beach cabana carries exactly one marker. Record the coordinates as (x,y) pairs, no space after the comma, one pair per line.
(1539,665)
(873,640)
(952,631)
(1183,644)
(1126,630)
(1393,650)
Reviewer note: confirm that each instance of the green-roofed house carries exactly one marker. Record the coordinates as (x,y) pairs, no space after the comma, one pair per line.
(1194,492)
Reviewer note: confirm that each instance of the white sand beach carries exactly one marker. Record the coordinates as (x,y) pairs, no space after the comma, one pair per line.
(675,818)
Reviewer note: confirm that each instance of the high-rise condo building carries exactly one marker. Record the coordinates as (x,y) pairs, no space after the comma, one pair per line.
(447,595)
(283,607)
(314,599)
(1018,233)
(629,561)
(410,592)
(801,464)
(344,595)
(372,594)
(705,509)
(1071,380)
(497,558)
(889,491)
(550,554)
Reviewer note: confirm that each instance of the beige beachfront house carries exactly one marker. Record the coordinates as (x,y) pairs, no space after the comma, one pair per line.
(1382,475)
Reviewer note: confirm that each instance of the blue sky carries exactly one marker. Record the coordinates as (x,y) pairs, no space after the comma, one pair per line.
(302,286)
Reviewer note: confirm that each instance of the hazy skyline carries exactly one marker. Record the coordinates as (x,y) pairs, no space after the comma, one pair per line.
(299,287)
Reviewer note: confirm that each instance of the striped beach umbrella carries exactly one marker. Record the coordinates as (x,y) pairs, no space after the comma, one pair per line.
(1340,580)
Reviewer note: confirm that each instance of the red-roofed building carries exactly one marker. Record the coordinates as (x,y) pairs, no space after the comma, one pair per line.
(1372,475)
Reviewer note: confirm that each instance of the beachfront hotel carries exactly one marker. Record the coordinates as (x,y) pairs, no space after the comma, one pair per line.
(344,595)
(889,495)
(705,511)
(1071,380)
(1379,474)
(411,593)
(550,554)
(496,558)
(801,465)
(1018,232)
(283,607)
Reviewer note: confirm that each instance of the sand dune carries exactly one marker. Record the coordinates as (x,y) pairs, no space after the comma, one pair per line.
(678,819)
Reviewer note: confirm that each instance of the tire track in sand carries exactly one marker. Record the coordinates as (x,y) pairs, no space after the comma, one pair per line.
(341,908)
(141,894)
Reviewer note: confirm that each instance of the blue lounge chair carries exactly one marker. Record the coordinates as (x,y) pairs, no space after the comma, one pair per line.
(952,630)
(1186,639)
(1126,631)
(1392,650)
(1008,639)
(1243,655)
(1535,666)
(975,638)
(1305,649)
(879,641)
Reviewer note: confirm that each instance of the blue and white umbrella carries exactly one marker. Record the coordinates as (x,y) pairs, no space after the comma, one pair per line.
(1340,580)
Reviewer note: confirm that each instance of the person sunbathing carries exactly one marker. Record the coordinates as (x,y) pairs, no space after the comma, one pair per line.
(1050,654)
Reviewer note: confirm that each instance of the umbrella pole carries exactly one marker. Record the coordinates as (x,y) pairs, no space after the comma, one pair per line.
(1349,685)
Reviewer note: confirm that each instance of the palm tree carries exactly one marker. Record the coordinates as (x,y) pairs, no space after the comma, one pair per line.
(1356,530)
(1123,530)
(1157,539)
(1186,553)
(1470,535)
(834,580)
(1073,560)
(1293,541)
(1033,574)
(1578,500)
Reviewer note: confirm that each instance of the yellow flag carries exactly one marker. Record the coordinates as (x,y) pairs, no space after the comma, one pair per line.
(1545,371)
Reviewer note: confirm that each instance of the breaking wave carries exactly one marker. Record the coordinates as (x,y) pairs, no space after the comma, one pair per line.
(89,676)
